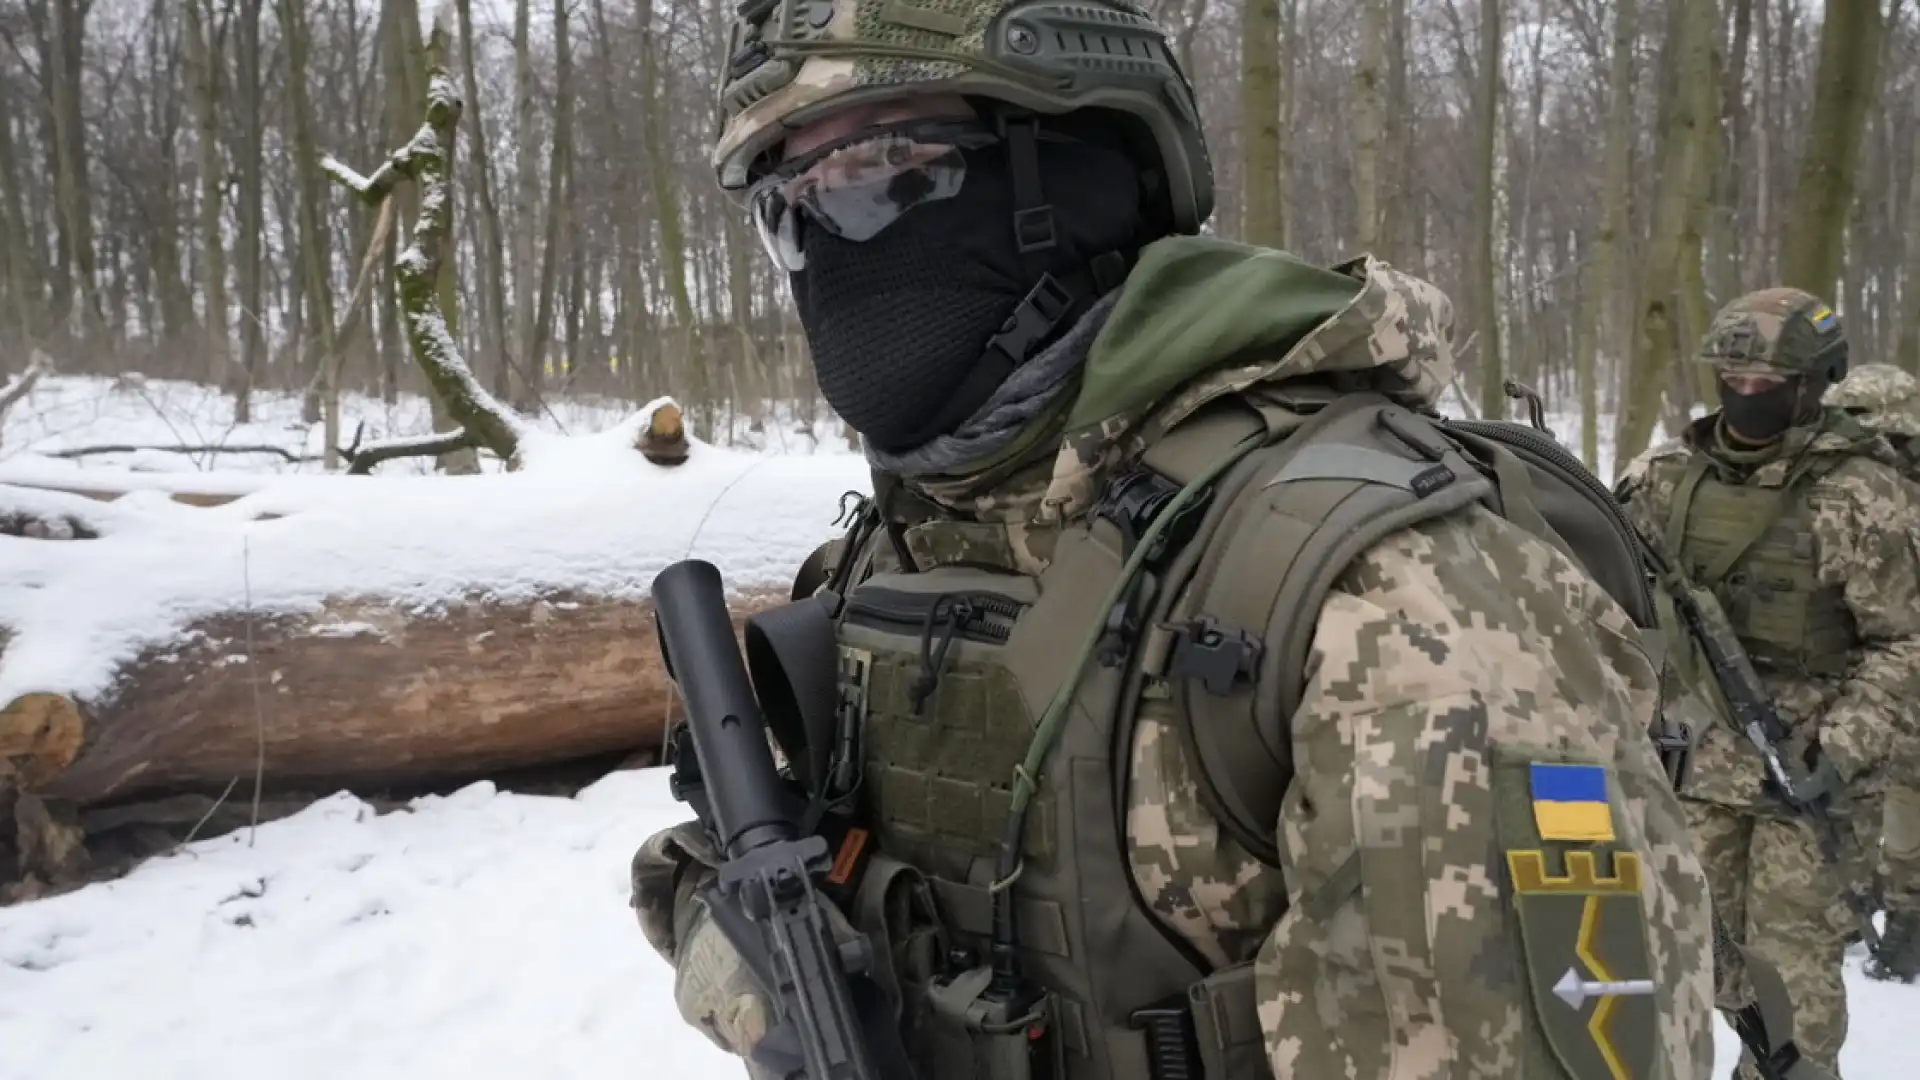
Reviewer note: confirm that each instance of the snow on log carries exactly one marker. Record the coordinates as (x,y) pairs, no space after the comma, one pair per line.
(368,632)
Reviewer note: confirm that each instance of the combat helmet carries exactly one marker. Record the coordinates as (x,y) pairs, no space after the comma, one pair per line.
(1777,331)
(1882,397)
(790,62)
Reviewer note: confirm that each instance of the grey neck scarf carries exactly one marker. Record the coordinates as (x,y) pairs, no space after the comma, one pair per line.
(1029,391)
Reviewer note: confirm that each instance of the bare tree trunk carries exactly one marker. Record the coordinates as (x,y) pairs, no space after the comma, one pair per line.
(1370,123)
(64,62)
(1188,30)
(251,195)
(493,293)
(24,290)
(203,56)
(1733,114)
(666,200)
(1681,167)
(1262,176)
(526,208)
(627,298)
(1848,77)
(1594,324)
(1907,354)
(315,256)
(1397,210)
(1759,264)
(559,196)
(1486,108)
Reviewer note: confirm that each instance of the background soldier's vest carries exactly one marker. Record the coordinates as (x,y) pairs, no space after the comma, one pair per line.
(1754,547)
(1220,548)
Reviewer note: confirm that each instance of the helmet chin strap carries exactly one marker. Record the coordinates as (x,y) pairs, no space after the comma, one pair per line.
(1055,299)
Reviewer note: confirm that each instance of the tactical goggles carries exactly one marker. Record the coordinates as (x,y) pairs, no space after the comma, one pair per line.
(857,186)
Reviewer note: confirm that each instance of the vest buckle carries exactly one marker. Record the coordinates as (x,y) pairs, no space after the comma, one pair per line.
(1134,499)
(1219,656)
(1173,1050)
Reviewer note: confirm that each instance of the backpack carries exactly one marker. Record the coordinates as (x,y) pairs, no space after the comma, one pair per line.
(1339,479)
(1244,580)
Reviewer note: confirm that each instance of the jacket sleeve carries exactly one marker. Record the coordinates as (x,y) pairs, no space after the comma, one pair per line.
(1867,527)
(1455,654)
(667,872)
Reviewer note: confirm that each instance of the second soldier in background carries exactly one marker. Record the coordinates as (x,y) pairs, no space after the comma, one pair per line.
(1790,513)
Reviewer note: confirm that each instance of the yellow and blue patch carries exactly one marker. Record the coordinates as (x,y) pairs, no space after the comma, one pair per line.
(1570,802)
(1823,318)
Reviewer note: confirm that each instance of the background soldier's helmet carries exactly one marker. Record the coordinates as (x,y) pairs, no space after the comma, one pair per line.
(790,62)
(1882,396)
(1779,332)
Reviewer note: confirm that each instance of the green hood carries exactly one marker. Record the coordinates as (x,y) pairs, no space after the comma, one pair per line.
(1199,319)
(1195,303)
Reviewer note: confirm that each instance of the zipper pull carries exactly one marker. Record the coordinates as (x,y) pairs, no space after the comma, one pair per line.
(933,658)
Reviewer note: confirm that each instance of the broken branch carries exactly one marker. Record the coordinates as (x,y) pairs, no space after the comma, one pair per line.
(279,451)
(23,385)
(485,422)
(361,460)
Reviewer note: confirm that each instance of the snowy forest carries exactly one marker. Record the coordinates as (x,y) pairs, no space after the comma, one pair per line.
(363,361)
(1586,180)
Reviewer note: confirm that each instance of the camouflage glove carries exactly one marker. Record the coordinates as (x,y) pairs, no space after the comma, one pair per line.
(711,986)
(1899,959)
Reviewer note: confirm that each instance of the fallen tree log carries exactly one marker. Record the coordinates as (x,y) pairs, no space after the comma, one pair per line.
(385,635)
(250,723)
(360,695)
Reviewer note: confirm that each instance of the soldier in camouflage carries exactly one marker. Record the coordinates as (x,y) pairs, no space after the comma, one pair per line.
(1886,399)
(990,212)
(1790,514)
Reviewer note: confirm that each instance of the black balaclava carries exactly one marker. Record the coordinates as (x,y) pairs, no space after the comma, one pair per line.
(898,322)
(1765,416)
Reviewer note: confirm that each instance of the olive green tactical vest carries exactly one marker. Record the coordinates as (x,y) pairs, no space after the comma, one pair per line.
(1754,547)
(945,669)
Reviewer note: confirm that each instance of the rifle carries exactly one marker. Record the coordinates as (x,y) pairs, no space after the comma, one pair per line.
(1757,719)
(831,1020)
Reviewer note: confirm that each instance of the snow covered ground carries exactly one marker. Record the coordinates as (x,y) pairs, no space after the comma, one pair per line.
(75,412)
(586,513)
(477,935)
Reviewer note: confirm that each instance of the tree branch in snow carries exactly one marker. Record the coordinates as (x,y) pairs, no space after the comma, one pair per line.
(484,420)
(278,451)
(21,386)
(362,459)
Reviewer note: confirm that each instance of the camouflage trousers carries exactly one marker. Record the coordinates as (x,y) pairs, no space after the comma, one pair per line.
(1900,849)
(1777,896)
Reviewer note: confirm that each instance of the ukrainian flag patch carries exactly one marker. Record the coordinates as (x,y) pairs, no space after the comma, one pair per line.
(1823,318)
(1570,802)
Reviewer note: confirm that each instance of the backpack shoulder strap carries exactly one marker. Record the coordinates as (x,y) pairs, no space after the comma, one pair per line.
(1234,629)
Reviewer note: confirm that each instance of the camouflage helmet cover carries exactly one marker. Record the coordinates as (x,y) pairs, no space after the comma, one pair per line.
(790,62)
(1883,396)
(1776,331)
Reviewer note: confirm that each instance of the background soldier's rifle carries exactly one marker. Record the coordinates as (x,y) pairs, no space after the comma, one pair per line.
(1753,712)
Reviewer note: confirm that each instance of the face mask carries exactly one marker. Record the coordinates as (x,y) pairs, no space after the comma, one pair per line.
(1761,417)
(897,321)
